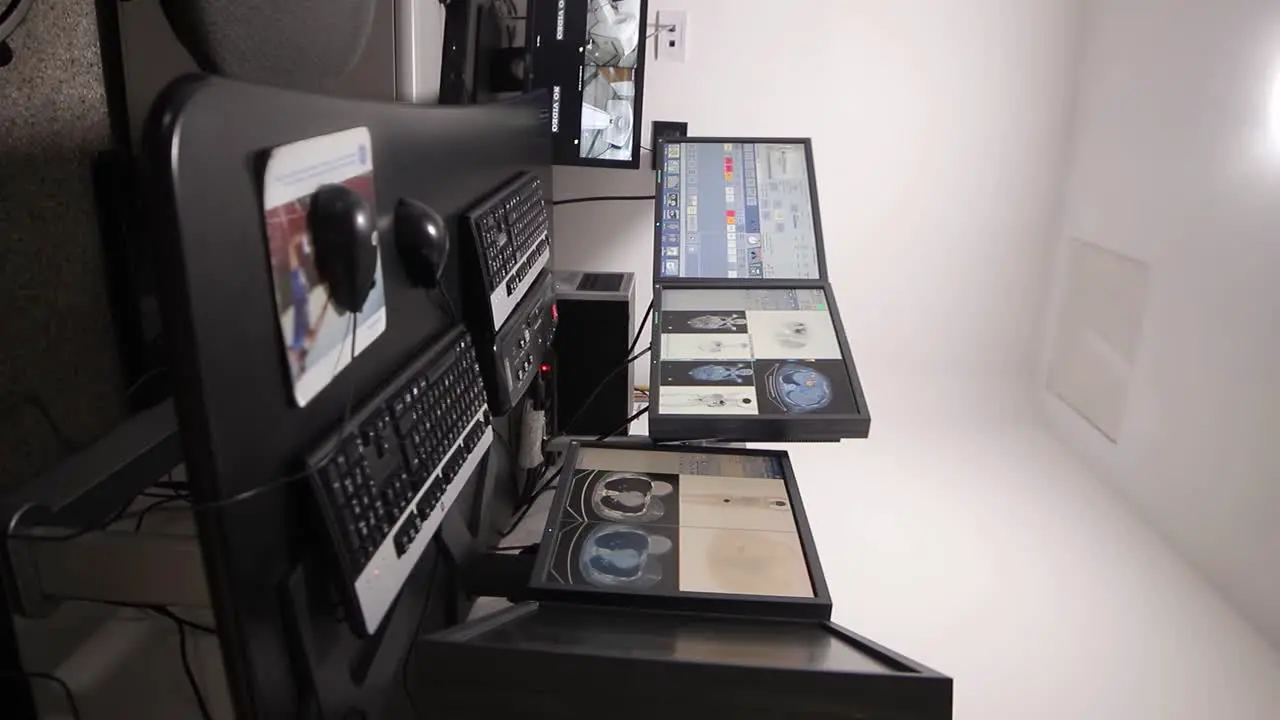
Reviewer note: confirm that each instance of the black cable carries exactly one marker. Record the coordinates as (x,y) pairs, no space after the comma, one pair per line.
(603,198)
(644,322)
(163,612)
(305,474)
(568,427)
(548,484)
(65,441)
(525,512)
(450,308)
(635,416)
(142,515)
(49,677)
(137,384)
(191,624)
(186,669)
(408,660)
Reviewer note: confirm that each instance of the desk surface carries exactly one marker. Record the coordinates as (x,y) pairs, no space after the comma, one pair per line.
(240,427)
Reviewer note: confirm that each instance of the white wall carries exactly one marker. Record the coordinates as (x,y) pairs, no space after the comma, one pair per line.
(966,537)
(1177,163)
(939,130)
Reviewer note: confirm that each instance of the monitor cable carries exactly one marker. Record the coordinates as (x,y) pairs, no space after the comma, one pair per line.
(634,416)
(548,484)
(604,198)
(189,672)
(449,306)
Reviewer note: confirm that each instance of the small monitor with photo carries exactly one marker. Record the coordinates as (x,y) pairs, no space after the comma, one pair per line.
(590,57)
(716,529)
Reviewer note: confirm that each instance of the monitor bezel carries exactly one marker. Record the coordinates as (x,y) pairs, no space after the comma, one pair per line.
(755,428)
(817,607)
(660,154)
(557,59)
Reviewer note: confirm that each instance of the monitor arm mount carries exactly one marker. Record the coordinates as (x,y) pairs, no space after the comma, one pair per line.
(54,549)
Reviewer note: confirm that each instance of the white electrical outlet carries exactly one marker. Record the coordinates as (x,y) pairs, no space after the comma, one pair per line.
(672,39)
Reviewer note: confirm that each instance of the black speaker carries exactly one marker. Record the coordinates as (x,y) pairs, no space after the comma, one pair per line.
(596,312)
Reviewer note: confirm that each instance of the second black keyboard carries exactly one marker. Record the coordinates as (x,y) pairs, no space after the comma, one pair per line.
(384,486)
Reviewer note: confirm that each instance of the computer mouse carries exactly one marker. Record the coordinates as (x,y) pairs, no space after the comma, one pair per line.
(423,240)
(344,235)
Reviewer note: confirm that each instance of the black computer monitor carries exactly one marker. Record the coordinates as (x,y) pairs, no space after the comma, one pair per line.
(566,662)
(737,209)
(767,363)
(590,56)
(698,529)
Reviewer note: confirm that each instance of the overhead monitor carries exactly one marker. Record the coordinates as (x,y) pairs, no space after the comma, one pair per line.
(575,661)
(752,364)
(590,56)
(737,209)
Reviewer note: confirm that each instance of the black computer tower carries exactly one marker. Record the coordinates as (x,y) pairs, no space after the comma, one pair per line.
(595,330)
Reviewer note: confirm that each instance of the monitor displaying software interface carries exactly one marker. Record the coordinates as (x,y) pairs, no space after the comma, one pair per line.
(737,210)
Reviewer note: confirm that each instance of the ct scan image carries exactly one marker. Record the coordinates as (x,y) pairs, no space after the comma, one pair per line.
(622,496)
(795,387)
(622,558)
(677,522)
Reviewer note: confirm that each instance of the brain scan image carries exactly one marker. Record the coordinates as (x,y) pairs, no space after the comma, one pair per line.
(630,497)
(738,373)
(799,388)
(623,557)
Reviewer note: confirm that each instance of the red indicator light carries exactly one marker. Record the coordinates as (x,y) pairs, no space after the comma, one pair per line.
(546,368)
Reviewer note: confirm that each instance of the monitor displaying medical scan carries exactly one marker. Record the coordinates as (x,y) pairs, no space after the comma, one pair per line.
(670,522)
(749,352)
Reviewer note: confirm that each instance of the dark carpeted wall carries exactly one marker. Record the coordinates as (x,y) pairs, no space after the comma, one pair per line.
(57,344)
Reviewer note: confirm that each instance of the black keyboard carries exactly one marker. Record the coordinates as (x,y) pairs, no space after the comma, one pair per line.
(385,486)
(511,230)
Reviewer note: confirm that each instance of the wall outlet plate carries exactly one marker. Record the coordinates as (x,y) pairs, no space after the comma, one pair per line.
(672,41)
(664,129)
